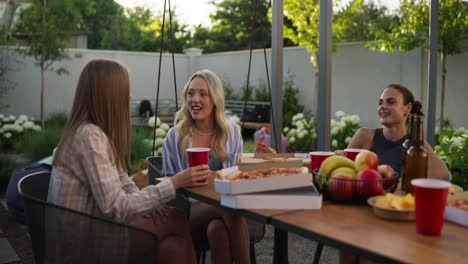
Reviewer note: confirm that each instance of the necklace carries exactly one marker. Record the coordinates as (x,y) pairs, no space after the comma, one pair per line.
(204,134)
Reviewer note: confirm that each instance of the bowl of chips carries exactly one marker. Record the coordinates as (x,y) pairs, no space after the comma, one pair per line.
(393,207)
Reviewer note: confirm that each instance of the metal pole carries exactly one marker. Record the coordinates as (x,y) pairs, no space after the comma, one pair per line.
(432,88)
(325,64)
(277,73)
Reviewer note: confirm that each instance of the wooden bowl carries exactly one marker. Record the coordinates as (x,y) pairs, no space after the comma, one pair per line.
(391,214)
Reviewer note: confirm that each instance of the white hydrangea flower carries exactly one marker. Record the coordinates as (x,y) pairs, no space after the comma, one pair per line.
(292,132)
(340,114)
(7,135)
(159,151)
(297,117)
(457,141)
(334,143)
(292,139)
(334,131)
(151,122)
(300,125)
(355,119)
(305,132)
(285,130)
(11,118)
(19,128)
(347,140)
(164,126)
(1,116)
(235,119)
(22,118)
(36,128)
(159,142)
(300,135)
(28,125)
(160,133)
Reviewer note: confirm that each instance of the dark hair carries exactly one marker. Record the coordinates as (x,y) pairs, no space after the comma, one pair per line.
(145,109)
(408,97)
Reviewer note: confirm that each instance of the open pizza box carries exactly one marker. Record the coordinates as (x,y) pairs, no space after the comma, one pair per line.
(225,186)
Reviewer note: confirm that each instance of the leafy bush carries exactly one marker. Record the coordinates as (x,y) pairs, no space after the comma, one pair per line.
(56,120)
(453,149)
(7,166)
(302,136)
(261,92)
(139,148)
(36,145)
(291,105)
(161,132)
(11,128)
(228,91)
(343,129)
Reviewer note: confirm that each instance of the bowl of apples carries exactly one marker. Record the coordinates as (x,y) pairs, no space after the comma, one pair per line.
(343,180)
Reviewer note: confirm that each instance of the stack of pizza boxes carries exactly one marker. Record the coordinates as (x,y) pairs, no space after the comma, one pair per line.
(268,181)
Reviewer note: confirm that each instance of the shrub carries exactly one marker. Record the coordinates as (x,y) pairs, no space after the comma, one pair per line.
(36,145)
(291,105)
(161,132)
(302,136)
(261,92)
(7,166)
(11,128)
(453,149)
(343,129)
(139,148)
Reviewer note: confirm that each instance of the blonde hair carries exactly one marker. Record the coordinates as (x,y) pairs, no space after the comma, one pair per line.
(183,120)
(102,98)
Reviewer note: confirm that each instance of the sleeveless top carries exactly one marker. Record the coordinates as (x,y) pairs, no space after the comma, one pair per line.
(389,152)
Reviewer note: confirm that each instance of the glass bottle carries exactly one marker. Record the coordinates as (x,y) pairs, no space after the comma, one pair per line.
(405,146)
(416,156)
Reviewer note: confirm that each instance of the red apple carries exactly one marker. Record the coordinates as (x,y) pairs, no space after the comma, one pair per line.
(366,160)
(386,171)
(369,183)
(341,187)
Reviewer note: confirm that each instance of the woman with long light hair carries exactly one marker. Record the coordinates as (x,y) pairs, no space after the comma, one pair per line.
(89,169)
(201,123)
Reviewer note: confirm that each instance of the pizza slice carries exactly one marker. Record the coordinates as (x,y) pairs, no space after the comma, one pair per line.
(261,173)
(263,148)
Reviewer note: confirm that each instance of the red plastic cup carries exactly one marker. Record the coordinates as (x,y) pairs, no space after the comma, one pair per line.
(351,153)
(197,156)
(317,157)
(430,197)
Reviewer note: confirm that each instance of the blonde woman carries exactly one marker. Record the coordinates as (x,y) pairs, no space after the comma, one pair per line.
(201,123)
(89,167)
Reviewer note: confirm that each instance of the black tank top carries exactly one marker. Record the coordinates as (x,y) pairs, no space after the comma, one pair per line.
(389,152)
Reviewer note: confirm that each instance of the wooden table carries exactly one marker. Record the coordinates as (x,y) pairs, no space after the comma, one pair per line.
(358,230)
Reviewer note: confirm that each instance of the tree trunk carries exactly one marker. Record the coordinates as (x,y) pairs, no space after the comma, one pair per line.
(442,96)
(42,94)
(8,14)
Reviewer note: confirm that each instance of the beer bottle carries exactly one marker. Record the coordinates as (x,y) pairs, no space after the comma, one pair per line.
(404,148)
(416,156)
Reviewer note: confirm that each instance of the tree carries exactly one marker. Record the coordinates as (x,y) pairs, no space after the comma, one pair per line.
(413,31)
(49,24)
(5,64)
(232,27)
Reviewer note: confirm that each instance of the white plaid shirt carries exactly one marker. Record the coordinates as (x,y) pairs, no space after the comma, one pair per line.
(90,181)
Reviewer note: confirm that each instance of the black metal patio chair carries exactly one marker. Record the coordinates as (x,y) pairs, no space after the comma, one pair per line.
(62,235)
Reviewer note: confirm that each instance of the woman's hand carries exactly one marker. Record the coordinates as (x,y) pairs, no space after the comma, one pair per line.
(194,176)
